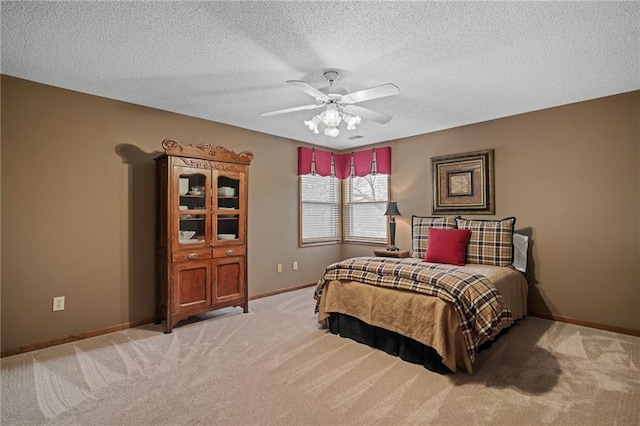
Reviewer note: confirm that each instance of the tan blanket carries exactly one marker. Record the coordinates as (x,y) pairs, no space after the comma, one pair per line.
(427,319)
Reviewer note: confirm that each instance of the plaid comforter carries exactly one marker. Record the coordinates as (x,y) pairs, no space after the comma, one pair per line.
(481,311)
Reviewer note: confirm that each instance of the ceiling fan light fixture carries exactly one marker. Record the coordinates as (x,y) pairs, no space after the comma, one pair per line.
(331,131)
(338,106)
(352,121)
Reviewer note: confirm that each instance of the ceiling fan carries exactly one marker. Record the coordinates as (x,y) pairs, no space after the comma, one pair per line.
(339,105)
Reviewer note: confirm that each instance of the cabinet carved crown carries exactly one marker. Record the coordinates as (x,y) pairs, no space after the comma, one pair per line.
(206,151)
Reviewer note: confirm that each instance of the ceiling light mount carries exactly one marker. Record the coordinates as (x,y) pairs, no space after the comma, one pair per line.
(331,76)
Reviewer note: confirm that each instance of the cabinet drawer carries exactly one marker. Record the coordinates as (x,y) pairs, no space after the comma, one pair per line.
(184,256)
(229,251)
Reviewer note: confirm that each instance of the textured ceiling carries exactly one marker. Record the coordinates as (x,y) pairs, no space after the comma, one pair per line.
(455,63)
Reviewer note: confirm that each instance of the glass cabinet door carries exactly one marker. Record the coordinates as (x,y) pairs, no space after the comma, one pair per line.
(193,195)
(229,207)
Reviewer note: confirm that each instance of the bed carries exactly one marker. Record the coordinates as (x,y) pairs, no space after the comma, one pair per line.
(437,313)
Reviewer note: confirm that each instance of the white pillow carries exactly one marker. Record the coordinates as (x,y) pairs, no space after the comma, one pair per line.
(520,246)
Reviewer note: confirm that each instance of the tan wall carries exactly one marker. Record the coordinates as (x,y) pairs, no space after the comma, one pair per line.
(571,177)
(78,208)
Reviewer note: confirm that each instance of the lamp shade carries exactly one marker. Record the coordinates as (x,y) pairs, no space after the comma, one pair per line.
(392,209)
(352,121)
(331,116)
(331,131)
(313,124)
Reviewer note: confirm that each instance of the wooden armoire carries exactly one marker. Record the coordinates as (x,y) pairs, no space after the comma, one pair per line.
(201,230)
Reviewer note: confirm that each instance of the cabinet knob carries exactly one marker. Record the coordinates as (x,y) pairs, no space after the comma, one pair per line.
(230,252)
(192,256)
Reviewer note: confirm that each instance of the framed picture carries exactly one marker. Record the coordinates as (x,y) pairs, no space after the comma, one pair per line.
(463,183)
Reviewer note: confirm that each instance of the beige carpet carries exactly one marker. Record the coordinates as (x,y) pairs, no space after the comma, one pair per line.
(274,366)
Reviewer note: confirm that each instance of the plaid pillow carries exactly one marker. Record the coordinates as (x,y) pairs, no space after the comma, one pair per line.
(491,241)
(420,231)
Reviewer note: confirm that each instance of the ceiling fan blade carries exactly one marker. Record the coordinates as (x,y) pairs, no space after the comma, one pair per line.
(367,114)
(282,111)
(371,93)
(305,87)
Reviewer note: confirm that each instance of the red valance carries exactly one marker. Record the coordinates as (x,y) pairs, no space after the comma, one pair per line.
(361,163)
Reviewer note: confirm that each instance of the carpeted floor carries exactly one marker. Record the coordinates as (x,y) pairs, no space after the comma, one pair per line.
(275,366)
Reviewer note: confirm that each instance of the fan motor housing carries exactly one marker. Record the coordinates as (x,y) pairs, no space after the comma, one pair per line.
(333,90)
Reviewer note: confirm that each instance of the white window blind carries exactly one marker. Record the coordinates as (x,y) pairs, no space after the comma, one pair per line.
(365,201)
(319,209)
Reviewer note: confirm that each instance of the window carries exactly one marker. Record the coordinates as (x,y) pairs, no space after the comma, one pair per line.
(344,208)
(365,201)
(319,209)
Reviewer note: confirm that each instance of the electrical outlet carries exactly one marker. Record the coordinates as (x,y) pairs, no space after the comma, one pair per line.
(295,265)
(58,303)
(279,267)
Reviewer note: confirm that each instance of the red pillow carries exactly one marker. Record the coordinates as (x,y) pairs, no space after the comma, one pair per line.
(447,246)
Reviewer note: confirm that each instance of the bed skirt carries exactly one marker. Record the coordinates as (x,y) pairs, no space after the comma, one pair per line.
(392,343)
(395,344)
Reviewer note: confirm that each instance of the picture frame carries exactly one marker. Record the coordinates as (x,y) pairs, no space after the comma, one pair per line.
(463,183)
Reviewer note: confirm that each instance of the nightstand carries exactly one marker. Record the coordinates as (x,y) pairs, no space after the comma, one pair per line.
(390,253)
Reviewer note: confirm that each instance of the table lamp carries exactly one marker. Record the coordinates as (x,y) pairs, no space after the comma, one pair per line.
(392,210)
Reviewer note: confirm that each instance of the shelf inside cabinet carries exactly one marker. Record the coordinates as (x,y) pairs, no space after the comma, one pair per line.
(191,241)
